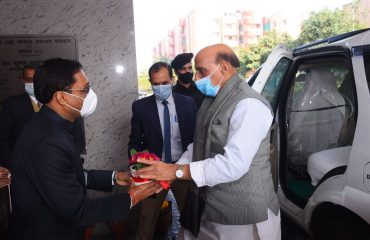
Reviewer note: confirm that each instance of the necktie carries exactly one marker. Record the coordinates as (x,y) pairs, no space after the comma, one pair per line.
(167,133)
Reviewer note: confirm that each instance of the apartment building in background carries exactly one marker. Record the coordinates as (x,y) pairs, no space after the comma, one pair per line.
(361,10)
(236,29)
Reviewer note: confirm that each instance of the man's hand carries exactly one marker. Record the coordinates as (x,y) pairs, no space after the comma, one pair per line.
(157,170)
(139,193)
(123,178)
(4,176)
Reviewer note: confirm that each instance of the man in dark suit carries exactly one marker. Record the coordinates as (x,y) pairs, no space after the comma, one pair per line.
(48,181)
(16,111)
(164,125)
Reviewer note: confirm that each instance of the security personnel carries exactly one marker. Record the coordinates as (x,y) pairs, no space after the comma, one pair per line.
(184,72)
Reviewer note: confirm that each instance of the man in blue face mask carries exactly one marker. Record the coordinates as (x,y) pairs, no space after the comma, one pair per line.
(231,194)
(164,125)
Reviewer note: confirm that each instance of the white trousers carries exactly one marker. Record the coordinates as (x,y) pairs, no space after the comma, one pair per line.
(266,230)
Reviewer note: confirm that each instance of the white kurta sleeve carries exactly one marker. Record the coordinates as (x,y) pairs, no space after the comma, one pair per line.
(249,124)
(187,156)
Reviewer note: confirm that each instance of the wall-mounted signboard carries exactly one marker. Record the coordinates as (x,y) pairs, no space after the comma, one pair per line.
(16,51)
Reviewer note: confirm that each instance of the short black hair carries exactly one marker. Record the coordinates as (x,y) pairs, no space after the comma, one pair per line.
(157,66)
(54,75)
(228,57)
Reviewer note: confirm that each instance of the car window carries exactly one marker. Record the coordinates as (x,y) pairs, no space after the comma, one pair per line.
(320,114)
(270,91)
(253,78)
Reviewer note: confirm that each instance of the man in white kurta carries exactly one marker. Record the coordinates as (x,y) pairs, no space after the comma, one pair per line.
(248,128)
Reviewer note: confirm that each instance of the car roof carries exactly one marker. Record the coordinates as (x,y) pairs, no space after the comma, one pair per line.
(350,39)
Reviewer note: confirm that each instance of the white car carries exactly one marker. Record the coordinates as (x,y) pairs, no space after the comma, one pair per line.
(320,141)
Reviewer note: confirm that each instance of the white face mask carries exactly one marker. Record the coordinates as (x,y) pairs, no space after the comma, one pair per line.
(89,103)
(28,87)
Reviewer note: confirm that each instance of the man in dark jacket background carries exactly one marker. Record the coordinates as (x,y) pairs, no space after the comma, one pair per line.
(149,131)
(184,72)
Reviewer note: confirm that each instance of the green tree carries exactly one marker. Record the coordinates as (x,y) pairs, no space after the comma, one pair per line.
(327,23)
(144,84)
(165,59)
(254,55)
(319,25)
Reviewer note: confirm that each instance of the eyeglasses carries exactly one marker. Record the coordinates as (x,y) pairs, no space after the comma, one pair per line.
(85,90)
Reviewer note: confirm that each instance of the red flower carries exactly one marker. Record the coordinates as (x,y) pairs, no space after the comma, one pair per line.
(143,155)
(135,156)
(165,184)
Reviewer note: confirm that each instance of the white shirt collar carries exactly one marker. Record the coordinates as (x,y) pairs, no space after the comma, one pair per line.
(170,99)
(33,98)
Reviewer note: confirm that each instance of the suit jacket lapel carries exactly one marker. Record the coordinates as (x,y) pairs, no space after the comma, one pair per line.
(29,111)
(154,117)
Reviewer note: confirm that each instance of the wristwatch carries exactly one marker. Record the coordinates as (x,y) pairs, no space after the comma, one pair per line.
(179,172)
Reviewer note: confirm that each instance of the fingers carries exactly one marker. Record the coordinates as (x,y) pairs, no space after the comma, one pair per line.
(123,178)
(147,172)
(159,188)
(139,193)
(5,176)
(143,171)
(143,191)
(4,173)
(147,162)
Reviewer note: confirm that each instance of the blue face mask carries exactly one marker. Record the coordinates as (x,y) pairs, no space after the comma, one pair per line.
(162,92)
(206,87)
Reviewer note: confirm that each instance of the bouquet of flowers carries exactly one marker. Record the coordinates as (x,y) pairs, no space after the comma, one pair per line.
(134,166)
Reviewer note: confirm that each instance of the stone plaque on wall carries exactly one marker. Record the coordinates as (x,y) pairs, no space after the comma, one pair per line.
(16,51)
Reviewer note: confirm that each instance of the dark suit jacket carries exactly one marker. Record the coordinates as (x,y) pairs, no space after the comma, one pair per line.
(16,112)
(146,130)
(48,184)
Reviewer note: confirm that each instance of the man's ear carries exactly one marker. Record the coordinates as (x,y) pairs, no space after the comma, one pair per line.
(59,96)
(225,67)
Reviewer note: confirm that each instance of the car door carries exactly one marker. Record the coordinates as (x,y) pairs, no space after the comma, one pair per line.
(316,106)
(264,75)
(268,83)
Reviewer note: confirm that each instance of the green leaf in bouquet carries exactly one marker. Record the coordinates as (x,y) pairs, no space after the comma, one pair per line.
(132,152)
(138,166)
